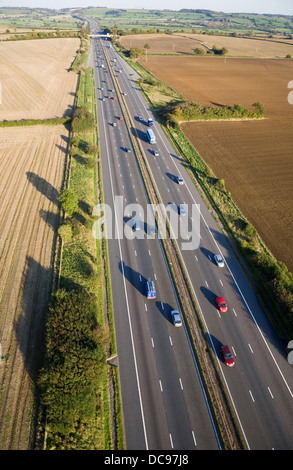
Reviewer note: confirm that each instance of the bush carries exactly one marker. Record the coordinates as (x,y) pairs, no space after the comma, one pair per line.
(66,233)
(91,149)
(69,201)
(83,120)
(75,348)
(90,163)
(199,51)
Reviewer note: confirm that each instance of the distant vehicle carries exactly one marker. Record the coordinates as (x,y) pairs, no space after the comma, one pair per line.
(176,319)
(179,179)
(150,290)
(136,226)
(114,98)
(156,153)
(124,94)
(182,210)
(120,118)
(222,306)
(151,136)
(219,260)
(227,355)
(114,124)
(140,118)
(128,150)
(150,122)
(152,231)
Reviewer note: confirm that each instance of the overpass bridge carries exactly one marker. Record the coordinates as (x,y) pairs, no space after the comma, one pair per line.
(101,35)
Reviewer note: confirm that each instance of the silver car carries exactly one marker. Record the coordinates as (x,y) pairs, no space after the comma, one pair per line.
(180,180)
(176,318)
(219,260)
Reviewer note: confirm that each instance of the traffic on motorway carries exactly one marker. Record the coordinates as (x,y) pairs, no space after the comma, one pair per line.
(159,381)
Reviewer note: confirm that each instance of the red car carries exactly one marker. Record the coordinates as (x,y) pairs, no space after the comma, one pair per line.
(228,358)
(222,306)
(121,118)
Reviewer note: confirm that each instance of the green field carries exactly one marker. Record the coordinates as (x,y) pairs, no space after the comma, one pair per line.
(193,20)
(37,18)
(135,20)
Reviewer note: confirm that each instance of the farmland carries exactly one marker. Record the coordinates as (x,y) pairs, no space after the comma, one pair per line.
(194,20)
(183,43)
(32,161)
(34,78)
(35,85)
(254,158)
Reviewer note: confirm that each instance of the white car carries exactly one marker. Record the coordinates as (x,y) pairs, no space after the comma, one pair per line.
(156,153)
(219,260)
(176,318)
(180,180)
(182,210)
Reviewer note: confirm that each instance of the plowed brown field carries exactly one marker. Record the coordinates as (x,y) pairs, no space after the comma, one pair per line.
(34,79)
(253,157)
(186,43)
(32,163)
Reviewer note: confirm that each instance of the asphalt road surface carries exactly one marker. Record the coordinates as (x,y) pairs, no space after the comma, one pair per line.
(164,406)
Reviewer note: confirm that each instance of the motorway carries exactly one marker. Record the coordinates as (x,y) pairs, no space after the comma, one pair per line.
(164,406)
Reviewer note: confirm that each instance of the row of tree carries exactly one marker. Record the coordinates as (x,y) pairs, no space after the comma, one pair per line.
(189,111)
(75,355)
(213,51)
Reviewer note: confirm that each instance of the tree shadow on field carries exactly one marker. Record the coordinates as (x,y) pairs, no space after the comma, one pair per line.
(64,149)
(51,218)
(219,105)
(69,111)
(30,324)
(43,187)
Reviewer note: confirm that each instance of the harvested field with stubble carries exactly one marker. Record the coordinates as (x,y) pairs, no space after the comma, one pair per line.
(35,80)
(32,161)
(183,43)
(253,157)
(35,84)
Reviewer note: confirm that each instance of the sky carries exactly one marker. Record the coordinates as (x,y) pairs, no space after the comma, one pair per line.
(281,7)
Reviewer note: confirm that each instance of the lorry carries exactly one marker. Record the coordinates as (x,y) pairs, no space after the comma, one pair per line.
(151,136)
(150,290)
